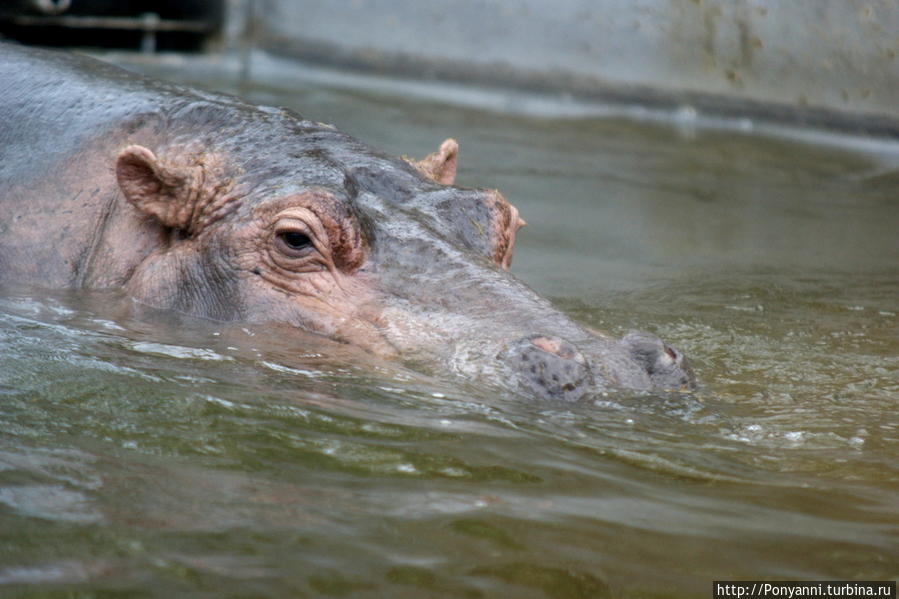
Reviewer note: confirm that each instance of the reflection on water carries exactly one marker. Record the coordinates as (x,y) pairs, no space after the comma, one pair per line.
(177,458)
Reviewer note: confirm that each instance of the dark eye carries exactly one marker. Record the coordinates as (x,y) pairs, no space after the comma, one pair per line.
(295,240)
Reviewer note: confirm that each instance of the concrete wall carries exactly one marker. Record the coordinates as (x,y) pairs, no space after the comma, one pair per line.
(835,55)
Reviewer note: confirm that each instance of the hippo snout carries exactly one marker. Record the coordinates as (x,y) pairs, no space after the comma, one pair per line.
(549,367)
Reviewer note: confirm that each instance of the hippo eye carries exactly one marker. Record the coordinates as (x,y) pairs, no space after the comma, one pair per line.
(293,243)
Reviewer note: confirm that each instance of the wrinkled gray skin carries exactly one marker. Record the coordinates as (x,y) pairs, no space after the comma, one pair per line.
(203,204)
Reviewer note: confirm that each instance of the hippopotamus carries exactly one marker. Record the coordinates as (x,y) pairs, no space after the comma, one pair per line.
(204,204)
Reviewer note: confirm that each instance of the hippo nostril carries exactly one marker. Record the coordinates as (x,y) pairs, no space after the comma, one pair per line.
(549,367)
(666,367)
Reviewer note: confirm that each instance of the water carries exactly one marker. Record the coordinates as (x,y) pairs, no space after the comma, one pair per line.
(141,455)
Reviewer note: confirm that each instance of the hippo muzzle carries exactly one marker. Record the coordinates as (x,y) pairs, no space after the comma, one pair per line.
(550,367)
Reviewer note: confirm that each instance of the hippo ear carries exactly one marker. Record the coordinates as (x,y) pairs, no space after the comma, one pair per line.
(161,190)
(441,165)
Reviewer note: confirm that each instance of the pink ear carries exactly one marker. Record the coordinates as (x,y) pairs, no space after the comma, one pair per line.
(441,165)
(160,190)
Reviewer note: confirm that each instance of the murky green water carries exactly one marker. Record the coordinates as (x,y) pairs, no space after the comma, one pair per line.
(141,456)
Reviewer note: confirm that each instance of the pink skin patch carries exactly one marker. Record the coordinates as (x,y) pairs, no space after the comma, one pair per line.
(552,346)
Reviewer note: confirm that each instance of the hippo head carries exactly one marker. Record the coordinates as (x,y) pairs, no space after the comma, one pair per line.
(269,218)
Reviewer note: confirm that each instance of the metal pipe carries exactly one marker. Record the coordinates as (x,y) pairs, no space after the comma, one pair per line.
(148,41)
(139,23)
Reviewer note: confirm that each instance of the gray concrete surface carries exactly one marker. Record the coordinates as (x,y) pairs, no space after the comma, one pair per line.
(838,59)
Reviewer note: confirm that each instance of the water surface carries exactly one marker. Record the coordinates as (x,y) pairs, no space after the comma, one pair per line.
(142,455)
